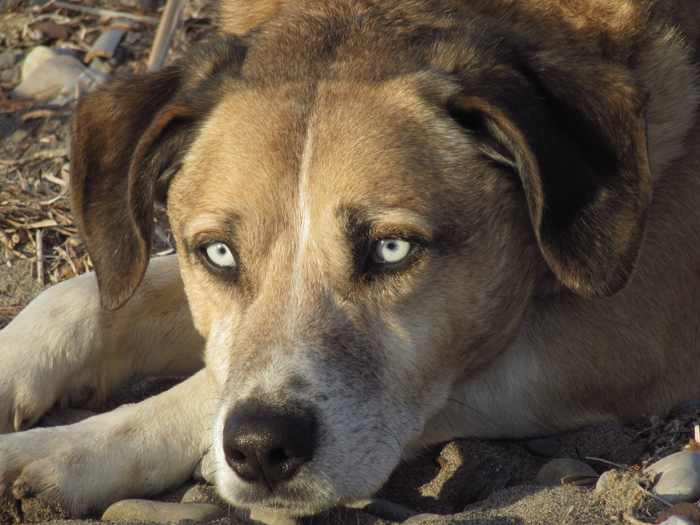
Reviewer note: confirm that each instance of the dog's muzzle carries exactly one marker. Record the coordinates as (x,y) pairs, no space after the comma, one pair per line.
(267,447)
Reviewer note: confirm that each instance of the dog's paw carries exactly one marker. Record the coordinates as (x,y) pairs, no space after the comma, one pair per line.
(56,464)
(44,349)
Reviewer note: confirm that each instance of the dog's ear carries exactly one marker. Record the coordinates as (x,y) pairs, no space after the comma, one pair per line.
(129,138)
(575,134)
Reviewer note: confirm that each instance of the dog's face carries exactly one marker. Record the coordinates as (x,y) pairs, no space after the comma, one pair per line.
(347,252)
(359,230)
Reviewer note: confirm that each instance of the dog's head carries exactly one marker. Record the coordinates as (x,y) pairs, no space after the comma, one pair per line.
(365,199)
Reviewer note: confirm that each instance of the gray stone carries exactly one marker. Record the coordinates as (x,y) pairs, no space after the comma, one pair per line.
(7,59)
(139,509)
(8,75)
(203,494)
(603,481)
(40,54)
(263,516)
(55,76)
(555,470)
(544,447)
(678,477)
(676,520)
(19,135)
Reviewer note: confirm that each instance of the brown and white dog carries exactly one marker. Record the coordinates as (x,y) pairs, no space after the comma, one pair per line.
(398,221)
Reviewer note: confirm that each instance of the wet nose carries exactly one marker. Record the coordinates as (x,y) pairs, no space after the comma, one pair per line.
(268,449)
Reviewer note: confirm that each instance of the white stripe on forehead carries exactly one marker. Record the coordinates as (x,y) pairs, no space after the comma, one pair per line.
(302,217)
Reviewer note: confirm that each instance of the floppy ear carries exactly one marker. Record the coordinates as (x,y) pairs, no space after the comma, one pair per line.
(575,134)
(129,138)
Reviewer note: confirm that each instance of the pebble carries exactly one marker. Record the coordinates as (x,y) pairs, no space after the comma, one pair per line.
(555,470)
(544,447)
(604,481)
(7,59)
(8,75)
(19,135)
(684,510)
(56,75)
(679,477)
(202,494)
(35,57)
(139,509)
(262,516)
(676,520)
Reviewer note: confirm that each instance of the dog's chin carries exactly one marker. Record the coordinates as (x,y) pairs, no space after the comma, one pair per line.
(301,496)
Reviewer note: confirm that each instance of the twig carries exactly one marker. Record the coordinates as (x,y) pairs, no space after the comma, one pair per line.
(39,256)
(106,13)
(45,154)
(164,35)
(606,461)
(657,498)
(571,509)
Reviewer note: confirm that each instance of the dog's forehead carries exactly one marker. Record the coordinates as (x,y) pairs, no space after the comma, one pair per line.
(355,144)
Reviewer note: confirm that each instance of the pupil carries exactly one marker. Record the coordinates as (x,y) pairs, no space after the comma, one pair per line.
(392,246)
(222,250)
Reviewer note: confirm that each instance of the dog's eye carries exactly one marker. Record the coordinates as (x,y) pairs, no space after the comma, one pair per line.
(389,251)
(220,255)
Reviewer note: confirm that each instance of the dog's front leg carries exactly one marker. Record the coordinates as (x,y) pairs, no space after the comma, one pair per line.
(64,346)
(135,450)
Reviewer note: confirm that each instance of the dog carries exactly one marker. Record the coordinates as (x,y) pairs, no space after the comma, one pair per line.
(398,222)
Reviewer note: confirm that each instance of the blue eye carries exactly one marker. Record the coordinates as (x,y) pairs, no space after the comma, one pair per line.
(390,251)
(220,255)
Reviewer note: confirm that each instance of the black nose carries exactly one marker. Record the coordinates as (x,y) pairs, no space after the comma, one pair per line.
(268,449)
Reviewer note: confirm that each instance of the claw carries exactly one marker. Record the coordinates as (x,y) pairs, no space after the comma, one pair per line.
(19,417)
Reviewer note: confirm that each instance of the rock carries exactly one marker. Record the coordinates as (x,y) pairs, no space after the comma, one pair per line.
(684,510)
(555,470)
(679,477)
(578,480)
(19,135)
(385,510)
(262,516)
(604,481)
(676,520)
(35,57)
(419,518)
(203,494)
(544,447)
(8,75)
(7,59)
(56,75)
(139,509)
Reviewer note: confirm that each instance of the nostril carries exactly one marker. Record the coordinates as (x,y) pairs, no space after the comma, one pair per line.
(278,455)
(235,455)
(268,449)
